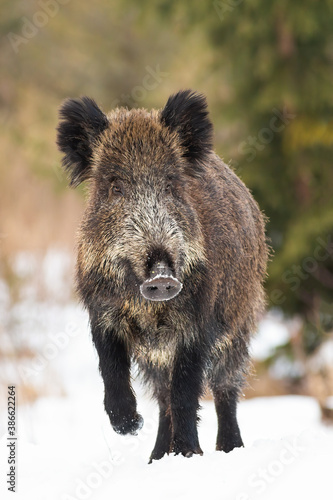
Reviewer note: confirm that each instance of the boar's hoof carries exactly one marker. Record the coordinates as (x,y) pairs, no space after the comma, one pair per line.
(188,452)
(157,455)
(129,425)
(228,445)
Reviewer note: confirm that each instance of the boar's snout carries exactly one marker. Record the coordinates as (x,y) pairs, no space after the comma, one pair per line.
(161,285)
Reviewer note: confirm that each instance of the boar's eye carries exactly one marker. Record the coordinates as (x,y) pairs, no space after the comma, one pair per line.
(117,188)
(168,189)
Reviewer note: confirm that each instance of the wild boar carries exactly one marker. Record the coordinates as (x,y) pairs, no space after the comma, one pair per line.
(171,261)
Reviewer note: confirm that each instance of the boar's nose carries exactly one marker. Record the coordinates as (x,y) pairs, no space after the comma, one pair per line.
(161,285)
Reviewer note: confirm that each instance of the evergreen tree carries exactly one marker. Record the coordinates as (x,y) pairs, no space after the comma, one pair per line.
(276,59)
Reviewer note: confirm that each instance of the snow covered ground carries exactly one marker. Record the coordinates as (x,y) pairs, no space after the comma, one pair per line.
(67,450)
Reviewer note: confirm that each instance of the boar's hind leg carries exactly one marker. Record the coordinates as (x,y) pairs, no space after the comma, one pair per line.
(186,388)
(114,364)
(164,434)
(228,436)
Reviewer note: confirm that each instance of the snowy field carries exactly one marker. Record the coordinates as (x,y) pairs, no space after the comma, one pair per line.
(67,450)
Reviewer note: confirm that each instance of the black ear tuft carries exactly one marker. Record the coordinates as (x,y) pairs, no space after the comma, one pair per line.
(81,122)
(186,113)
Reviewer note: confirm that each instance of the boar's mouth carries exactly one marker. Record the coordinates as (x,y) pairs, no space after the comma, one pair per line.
(162,285)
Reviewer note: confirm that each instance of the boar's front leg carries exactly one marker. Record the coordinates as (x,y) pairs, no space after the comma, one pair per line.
(114,364)
(164,434)
(228,436)
(186,387)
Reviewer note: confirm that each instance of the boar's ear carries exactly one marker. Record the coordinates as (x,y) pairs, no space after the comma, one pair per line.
(186,113)
(81,123)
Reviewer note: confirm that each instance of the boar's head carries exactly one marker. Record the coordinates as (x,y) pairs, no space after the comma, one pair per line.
(142,230)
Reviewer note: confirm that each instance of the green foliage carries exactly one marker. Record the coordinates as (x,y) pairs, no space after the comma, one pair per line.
(280,58)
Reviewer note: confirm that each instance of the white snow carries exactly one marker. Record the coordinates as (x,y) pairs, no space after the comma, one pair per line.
(67,450)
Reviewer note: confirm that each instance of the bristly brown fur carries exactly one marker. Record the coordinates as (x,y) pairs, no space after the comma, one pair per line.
(159,192)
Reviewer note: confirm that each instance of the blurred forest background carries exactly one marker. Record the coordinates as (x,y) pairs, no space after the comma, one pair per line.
(267,71)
